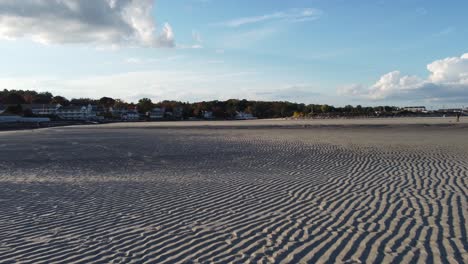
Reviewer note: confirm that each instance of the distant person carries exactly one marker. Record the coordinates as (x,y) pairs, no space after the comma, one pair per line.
(458,116)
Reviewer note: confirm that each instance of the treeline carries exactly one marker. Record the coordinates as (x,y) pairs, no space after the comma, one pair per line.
(219,109)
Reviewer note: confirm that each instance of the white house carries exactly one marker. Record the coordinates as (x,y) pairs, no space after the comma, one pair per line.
(130,116)
(157,113)
(415,109)
(117,112)
(208,115)
(244,116)
(77,112)
(44,109)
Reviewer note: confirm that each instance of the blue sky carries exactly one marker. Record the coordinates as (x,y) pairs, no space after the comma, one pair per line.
(317,51)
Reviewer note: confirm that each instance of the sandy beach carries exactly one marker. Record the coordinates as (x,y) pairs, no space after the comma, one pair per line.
(264,191)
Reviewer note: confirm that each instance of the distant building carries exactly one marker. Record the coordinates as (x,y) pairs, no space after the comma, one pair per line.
(178,112)
(157,113)
(244,116)
(118,112)
(415,109)
(130,116)
(43,109)
(450,110)
(100,110)
(208,115)
(77,112)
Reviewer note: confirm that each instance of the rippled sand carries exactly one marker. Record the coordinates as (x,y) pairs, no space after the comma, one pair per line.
(130,194)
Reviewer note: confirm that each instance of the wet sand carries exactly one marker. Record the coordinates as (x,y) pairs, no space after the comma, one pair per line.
(270,193)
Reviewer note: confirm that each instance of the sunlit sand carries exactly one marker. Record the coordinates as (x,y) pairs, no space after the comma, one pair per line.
(354,191)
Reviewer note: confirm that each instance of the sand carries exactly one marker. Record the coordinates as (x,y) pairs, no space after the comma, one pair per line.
(153,193)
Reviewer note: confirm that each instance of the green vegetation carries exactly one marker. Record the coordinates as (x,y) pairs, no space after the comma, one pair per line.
(220,109)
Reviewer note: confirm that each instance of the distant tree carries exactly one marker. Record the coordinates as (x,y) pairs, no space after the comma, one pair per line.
(120,104)
(232,107)
(198,109)
(145,105)
(249,110)
(106,102)
(325,108)
(82,101)
(14,109)
(348,109)
(218,112)
(28,113)
(28,96)
(60,100)
(42,98)
(13,98)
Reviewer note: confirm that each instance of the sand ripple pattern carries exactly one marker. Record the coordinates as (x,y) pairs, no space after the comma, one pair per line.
(161,196)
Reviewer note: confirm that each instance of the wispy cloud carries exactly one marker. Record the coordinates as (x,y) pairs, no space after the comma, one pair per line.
(444,32)
(139,60)
(291,15)
(248,38)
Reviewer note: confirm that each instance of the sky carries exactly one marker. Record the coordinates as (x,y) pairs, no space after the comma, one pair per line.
(339,52)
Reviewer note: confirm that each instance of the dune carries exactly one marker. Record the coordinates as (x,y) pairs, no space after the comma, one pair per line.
(385,192)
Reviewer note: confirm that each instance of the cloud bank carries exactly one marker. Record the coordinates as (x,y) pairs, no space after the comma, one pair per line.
(101,22)
(447,81)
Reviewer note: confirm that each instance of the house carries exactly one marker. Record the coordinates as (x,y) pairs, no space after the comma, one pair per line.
(157,113)
(178,112)
(244,116)
(415,109)
(130,116)
(43,109)
(208,115)
(118,112)
(77,112)
(100,110)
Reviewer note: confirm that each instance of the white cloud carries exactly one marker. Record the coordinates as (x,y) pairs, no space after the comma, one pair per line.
(394,83)
(102,22)
(292,15)
(350,90)
(452,71)
(447,81)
